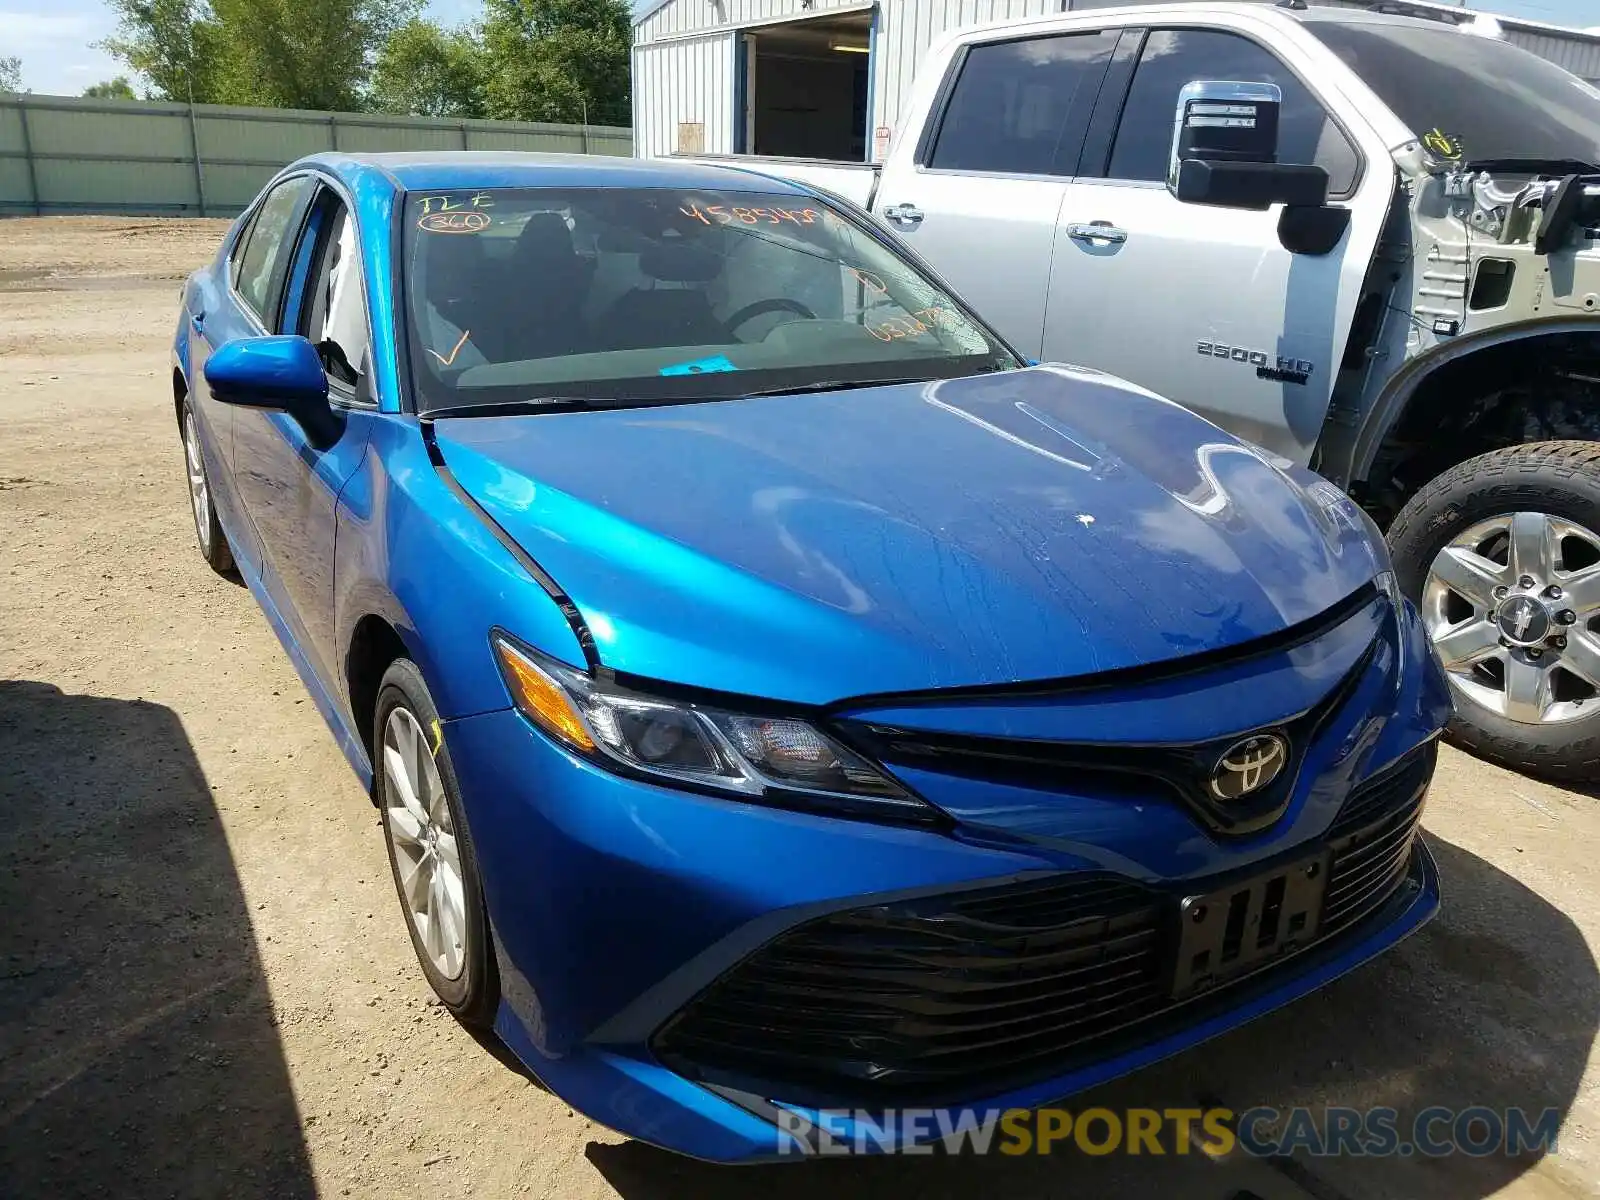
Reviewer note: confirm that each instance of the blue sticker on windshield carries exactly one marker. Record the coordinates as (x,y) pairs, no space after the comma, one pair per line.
(701,366)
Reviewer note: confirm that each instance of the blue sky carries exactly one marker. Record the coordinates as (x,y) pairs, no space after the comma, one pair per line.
(54,40)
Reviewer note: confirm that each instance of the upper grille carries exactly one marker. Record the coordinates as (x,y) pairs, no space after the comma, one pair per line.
(934,999)
(1180,772)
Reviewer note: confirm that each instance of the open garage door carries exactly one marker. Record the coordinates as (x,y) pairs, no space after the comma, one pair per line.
(805,87)
(685,96)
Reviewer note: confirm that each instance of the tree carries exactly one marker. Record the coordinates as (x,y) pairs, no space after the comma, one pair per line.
(10,73)
(284,53)
(175,44)
(426,69)
(557,60)
(305,53)
(112,89)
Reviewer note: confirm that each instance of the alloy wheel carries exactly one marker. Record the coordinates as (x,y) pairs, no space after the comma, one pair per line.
(426,856)
(199,493)
(1512,607)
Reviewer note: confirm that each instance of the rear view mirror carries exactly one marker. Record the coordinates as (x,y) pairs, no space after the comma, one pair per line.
(1225,149)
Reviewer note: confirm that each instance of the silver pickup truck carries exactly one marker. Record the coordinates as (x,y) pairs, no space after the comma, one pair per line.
(1368,243)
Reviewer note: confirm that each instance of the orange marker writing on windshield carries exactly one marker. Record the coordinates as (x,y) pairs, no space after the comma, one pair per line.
(456,349)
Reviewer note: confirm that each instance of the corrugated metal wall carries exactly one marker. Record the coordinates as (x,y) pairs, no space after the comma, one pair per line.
(63,155)
(1580,56)
(906,28)
(686,16)
(684,91)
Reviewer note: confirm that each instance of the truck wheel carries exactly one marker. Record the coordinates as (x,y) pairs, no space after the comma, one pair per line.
(1502,555)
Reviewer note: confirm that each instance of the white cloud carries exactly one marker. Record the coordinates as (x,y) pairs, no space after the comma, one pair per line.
(36,31)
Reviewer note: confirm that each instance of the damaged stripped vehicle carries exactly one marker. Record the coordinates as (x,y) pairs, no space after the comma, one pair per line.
(777,696)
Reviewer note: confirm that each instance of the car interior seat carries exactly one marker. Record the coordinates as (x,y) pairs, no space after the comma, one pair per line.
(538,296)
(679,314)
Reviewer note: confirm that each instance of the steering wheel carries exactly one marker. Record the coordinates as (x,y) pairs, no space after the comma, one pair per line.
(762,307)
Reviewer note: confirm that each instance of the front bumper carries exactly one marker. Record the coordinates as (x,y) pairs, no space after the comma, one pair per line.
(616,904)
(622,910)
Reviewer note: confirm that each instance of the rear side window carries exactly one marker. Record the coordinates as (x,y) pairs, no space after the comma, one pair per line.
(1172,58)
(1023,106)
(262,259)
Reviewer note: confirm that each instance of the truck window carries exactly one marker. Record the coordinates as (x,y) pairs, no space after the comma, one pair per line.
(1023,106)
(1174,57)
(1491,99)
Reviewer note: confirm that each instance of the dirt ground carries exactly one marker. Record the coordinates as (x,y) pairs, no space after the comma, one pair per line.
(205,986)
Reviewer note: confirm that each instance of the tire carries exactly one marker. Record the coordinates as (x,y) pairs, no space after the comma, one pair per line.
(208,533)
(407,723)
(1544,493)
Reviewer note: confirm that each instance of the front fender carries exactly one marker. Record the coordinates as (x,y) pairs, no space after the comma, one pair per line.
(1397,393)
(410,551)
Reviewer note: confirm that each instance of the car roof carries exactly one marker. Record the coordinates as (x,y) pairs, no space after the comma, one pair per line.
(451,169)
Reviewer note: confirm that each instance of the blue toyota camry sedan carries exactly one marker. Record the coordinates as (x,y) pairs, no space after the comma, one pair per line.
(779,697)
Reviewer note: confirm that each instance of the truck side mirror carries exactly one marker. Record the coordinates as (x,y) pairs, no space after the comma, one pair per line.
(1225,150)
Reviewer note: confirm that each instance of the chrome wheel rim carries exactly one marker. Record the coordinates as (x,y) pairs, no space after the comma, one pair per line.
(426,857)
(199,493)
(1512,607)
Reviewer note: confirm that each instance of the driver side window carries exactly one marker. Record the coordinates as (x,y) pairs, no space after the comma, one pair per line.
(1172,58)
(334,310)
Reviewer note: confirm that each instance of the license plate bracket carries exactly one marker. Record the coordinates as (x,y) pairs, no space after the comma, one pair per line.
(1235,929)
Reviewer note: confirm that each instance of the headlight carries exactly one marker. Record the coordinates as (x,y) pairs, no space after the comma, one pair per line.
(745,755)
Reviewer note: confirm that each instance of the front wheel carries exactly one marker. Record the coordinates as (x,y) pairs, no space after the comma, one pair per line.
(430,850)
(207,529)
(1502,555)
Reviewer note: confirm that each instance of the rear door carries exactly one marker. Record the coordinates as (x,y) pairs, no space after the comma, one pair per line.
(980,196)
(1203,304)
(289,481)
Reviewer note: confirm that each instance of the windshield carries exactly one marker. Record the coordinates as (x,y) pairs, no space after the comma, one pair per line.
(655,296)
(1471,98)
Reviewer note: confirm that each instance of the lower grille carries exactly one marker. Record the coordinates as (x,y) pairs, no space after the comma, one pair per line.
(1372,840)
(937,999)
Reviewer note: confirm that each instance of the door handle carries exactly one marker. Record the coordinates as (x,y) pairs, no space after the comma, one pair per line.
(903,214)
(1097,231)
(198,319)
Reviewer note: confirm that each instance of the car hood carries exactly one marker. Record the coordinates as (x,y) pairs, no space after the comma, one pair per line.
(1030,525)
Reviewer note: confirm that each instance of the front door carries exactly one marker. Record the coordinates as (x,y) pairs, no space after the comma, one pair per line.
(245,304)
(982,198)
(289,482)
(1201,304)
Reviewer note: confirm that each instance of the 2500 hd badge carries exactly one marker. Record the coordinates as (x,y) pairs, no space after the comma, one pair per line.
(1284,370)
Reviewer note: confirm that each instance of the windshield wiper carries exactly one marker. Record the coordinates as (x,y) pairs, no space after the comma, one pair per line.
(496,408)
(827,385)
(1533,166)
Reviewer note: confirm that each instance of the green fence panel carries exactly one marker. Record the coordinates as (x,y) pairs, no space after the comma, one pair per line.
(67,155)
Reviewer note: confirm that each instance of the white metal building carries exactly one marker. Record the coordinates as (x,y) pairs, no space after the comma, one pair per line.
(829,78)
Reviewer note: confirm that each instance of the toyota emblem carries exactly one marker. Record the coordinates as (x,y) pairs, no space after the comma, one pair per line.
(1249,765)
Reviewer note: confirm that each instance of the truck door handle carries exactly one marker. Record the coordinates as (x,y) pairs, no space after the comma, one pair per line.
(1097,231)
(903,214)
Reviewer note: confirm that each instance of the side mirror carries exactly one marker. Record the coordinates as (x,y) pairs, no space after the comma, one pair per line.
(279,373)
(1225,150)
